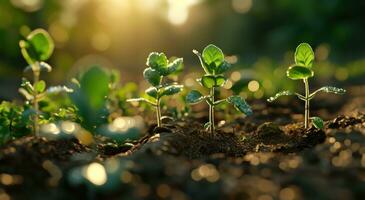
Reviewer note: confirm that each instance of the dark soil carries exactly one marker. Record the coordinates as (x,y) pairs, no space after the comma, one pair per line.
(266,156)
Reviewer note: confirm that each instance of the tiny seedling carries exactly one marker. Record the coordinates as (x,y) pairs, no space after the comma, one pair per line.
(36,48)
(302,70)
(159,67)
(214,64)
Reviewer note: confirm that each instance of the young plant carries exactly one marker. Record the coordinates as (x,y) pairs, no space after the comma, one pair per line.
(36,48)
(213,62)
(159,67)
(302,70)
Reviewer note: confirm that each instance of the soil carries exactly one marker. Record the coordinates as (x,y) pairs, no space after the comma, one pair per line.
(265,156)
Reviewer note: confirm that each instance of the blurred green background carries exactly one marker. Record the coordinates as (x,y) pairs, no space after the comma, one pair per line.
(258,36)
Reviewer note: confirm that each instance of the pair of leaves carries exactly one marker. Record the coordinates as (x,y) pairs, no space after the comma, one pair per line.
(304,57)
(212,60)
(28,90)
(210,81)
(160,63)
(238,102)
(158,93)
(328,89)
(39,66)
(38,46)
(160,66)
(165,91)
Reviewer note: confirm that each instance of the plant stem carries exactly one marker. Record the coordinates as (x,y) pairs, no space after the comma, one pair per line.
(211,112)
(158,112)
(36,73)
(306,111)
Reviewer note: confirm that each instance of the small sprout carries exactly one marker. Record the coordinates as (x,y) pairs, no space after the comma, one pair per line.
(317,122)
(36,48)
(214,64)
(302,70)
(158,68)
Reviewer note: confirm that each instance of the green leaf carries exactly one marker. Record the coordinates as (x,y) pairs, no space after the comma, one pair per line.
(194,97)
(317,122)
(331,89)
(171,90)
(240,104)
(279,94)
(152,76)
(297,72)
(152,92)
(207,81)
(157,61)
(173,66)
(38,46)
(95,86)
(223,68)
(213,56)
(219,81)
(207,69)
(210,81)
(304,55)
(40,86)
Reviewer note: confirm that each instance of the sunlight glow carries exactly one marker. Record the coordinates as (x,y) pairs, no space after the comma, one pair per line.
(96,174)
(68,127)
(178,11)
(242,6)
(50,129)
(253,86)
(28,5)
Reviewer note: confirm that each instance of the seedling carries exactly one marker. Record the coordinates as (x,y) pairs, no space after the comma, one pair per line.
(159,67)
(302,70)
(213,62)
(36,48)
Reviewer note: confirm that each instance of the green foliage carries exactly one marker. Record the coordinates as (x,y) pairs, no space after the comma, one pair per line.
(40,86)
(240,104)
(158,68)
(297,72)
(212,60)
(302,70)
(214,64)
(38,46)
(304,55)
(210,81)
(90,96)
(317,122)
(194,97)
(152,76)
(14,122)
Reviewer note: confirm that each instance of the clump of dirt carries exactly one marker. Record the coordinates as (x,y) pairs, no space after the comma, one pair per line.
(344,121)
(35,149)
(188,138)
